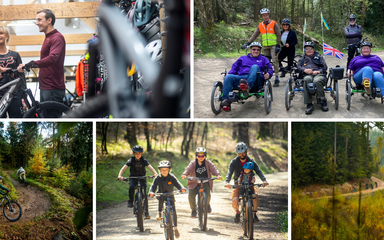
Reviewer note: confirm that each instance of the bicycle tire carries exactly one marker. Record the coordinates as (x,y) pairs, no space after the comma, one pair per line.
(205,209)
(288,94)
(336,89)
(200,208)
(15,210)
(95,107)
(217,91)
(250,219)
(169,227)
(244,222)
(349,94)
(47,107)
(267,97)
(139,214)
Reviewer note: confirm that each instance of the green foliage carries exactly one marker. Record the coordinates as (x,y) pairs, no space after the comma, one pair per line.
(81,186)
(6,182)
(282,220)
(37,163)
(61,177)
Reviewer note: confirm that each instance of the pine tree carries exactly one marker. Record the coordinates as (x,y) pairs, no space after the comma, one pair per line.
(37,163)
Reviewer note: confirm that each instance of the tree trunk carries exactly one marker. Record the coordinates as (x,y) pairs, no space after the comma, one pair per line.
(131,134)
(264,130)
(205,132)
(186,127)
(227,15)
(104,130)
(201,15)
(363,11)
(292,10)
(234,130)
(243,132)
(169,135)
(256,10)
(116,132)
(189,139)
(146,133)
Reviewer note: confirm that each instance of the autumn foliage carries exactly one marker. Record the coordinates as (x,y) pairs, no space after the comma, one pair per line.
(38,163)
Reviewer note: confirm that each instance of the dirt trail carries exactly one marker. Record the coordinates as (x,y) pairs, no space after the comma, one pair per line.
(118,222)
(207,72)
(33,202)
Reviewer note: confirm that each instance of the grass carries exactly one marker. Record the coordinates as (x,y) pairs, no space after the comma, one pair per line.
(282,221)
(12,195)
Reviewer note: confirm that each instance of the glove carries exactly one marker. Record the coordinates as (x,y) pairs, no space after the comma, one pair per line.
(245,45)
(277,49)
(30,64)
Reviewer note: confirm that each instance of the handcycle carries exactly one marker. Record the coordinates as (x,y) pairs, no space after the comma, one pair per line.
(284,69)
(202,201)
(247,208)
(239,94)
(32,108)
(11,209)
(139,201)
(296,82)
(168,221)
(352,88)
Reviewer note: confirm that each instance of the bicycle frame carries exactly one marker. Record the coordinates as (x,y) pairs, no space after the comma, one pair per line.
(3,198)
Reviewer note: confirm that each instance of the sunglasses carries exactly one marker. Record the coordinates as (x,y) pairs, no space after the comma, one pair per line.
(308,48)
(285,24)
(352,19)
(200,156)
(256,49)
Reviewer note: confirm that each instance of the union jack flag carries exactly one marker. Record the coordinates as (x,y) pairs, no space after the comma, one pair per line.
(328,50)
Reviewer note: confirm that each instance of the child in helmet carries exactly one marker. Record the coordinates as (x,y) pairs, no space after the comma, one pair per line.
(166,182)
(137,164)
(3,190)
(247,176)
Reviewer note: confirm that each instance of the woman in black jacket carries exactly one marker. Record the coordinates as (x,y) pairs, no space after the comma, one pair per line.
(289,40)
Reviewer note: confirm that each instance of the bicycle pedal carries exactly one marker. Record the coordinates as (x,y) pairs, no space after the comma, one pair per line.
(226,108)
(162,225)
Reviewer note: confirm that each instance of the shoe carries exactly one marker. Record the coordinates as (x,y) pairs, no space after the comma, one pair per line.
(177,234)
(310,109)
(193,214)
(130,204)
(209,208)
(158,216)
(277,81)
(282,74)
(147,216)
(324,107)
(226,105)
(244,87)
(367,85)
(237,217)
(255,218)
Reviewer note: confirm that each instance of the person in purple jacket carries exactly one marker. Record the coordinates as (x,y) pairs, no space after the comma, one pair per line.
(200,167)
(51,63)
(367,69)
(244,71)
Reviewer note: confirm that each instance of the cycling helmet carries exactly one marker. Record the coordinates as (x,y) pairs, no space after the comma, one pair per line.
(137,148)
(241,147)
(154,50)
(352,16)
(248,165)
(366,43)
(1,177)
(164,164)
(145,10)
(264,10)
(287,21)
(201,150)
(257,44)
(309,44)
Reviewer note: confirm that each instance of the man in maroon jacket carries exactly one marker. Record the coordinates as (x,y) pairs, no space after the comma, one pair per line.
(51,63)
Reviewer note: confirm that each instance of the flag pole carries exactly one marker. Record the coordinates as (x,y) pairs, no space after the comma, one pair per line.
(305,27)
(322,30)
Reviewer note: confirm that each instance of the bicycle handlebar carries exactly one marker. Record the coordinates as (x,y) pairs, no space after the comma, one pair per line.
(199,178)
(247,185)
(126,179)
(167,193)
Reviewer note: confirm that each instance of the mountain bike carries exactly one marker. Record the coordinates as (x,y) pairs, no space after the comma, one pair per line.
(247,208)
(32,108)
(121,45)
(202,201)
(168,222)
(11,209)
(139,201)
(23,181)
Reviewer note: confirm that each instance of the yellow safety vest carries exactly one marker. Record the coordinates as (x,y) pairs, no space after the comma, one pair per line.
(268,34)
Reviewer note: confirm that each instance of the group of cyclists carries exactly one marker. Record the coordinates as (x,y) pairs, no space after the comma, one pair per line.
(366,69)
(243,169)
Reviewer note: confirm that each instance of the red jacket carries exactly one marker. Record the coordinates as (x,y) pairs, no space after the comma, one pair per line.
(190,171)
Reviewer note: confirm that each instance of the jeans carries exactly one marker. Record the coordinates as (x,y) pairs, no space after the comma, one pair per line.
(132,185)
(232,80)
(56,95)
(376,78)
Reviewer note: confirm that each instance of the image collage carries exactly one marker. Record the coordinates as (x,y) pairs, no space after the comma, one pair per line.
(191,119)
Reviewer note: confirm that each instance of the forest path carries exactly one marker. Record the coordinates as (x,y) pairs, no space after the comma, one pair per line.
(118,222)
(33,202)
(207,72)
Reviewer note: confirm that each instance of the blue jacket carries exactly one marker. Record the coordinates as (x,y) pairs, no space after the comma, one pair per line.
(291,39)
(244,64)
(236,168)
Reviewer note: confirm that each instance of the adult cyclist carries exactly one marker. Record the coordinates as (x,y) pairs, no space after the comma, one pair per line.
(22,174)
(353,33)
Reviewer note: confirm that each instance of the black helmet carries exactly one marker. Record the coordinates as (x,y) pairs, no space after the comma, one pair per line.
(164,164)
(257,44)
(352,16)
(201,150)
(137,148)
(241,147)
(287,21)
(145,10)
(309,44)
(366,43)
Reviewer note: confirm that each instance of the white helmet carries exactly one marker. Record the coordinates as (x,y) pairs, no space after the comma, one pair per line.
(155,51)
(264,10)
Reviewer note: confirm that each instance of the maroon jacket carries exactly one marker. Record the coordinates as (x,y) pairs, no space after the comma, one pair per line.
(190,171)
(51,63)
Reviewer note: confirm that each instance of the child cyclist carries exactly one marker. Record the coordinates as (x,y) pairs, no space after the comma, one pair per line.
(137,164)
(166,182)
(247,176)
(3,190)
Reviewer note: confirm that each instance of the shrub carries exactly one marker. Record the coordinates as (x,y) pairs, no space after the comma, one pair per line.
(81,185)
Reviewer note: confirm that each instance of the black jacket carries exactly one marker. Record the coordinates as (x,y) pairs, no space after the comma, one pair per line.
(165,184)
(236,168)
(291,38)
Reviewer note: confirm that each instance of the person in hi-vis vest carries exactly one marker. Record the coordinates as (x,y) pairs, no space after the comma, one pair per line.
(271,38)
